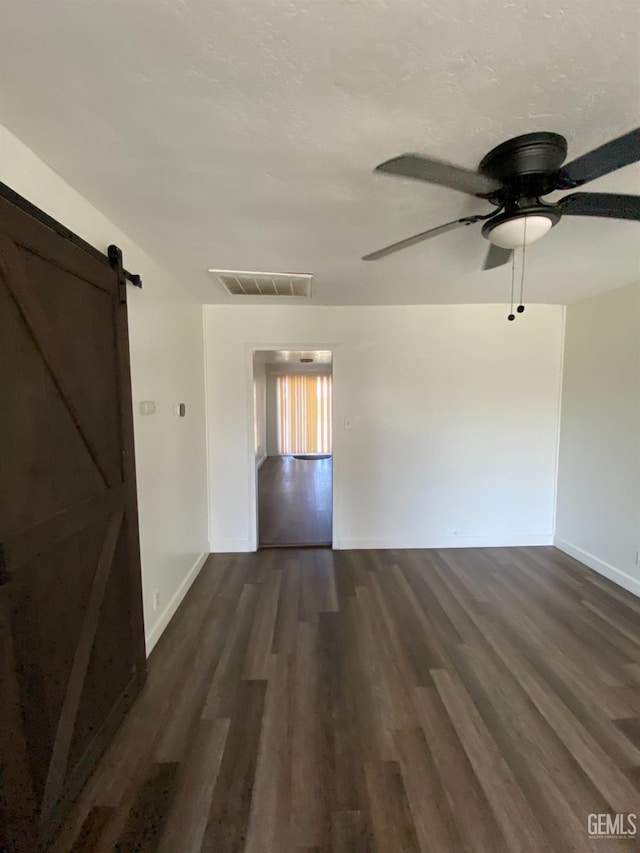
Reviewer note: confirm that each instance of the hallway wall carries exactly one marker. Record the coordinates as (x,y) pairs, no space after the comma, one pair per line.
(272,414)
(599,476)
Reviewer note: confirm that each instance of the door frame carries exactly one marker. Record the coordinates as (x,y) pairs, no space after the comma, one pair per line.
(252,484)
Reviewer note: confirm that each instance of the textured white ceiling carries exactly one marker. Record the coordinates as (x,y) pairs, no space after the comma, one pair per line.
(241,134)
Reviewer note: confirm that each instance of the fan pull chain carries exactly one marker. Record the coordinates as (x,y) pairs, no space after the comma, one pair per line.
(512,316)
(520,307)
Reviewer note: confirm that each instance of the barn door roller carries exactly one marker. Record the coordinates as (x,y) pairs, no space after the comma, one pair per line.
(115,259)
(63,231)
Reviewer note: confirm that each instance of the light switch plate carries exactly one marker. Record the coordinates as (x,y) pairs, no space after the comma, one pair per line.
(147,407)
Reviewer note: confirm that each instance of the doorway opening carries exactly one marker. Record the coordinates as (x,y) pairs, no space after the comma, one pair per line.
(292,395)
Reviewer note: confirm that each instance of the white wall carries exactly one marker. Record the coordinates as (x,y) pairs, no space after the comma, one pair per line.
(272,414)
(166,338)
(260,413)
(598,519)
(455,416)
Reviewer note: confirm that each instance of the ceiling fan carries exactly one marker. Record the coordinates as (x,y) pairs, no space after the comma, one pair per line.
(513,177)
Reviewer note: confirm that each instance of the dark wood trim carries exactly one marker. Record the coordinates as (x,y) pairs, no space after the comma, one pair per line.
(77,778)
(17,799)
(75,684)
(38,324)
(60,229)
(28,543)
(131,524)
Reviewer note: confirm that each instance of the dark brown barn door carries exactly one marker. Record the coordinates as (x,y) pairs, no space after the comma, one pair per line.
(71,632)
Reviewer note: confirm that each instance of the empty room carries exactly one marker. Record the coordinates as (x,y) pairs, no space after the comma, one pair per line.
(320,439)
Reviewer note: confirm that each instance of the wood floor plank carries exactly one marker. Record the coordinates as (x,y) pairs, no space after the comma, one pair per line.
(144,826)
(389,709)
(344,772)
(555,789)
(472,700)
(187,820)
(349,833)
(475,820)
(519,825)
(228,824)
(542,625)
(344,575)
(294,501)
(631,730)
(390,813)
(193,682)
(404,642)
(433,818)
(309,809)
(592,703)
(269,821)
(221,698)
(92,829)
(256,663)
(286,624)
(595,762)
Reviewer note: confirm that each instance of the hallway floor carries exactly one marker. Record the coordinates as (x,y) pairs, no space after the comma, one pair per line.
(309,700)
(294,501)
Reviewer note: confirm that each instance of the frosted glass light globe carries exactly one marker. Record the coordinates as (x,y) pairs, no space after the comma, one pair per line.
(511,234)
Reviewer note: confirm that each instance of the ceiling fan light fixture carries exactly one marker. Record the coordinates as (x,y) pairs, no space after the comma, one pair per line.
(515,176)
(511,233)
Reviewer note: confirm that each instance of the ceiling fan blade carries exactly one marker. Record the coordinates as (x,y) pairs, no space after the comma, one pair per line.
(612,205)
(418,238)
(438,172)
(496,257)
(602,160)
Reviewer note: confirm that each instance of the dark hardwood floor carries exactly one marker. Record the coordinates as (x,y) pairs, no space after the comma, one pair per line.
(294,502)
(309,700)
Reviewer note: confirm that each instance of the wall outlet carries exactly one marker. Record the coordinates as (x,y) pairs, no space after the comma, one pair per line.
(156,599)
(637,558)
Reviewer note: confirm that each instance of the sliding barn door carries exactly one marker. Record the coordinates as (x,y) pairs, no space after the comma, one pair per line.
(71,633)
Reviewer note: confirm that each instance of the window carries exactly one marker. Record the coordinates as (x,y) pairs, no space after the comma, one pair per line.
(304,414)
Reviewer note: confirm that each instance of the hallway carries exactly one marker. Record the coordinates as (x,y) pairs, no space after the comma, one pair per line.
(294,502)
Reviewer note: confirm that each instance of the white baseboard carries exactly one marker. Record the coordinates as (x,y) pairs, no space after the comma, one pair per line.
(611,572)
(167,614)
(229,546)
(520,539)
(261,460)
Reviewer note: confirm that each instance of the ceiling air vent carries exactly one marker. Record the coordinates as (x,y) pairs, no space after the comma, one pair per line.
(239,283)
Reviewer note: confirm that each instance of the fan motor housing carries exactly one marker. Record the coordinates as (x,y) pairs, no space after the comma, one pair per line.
(528,164)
